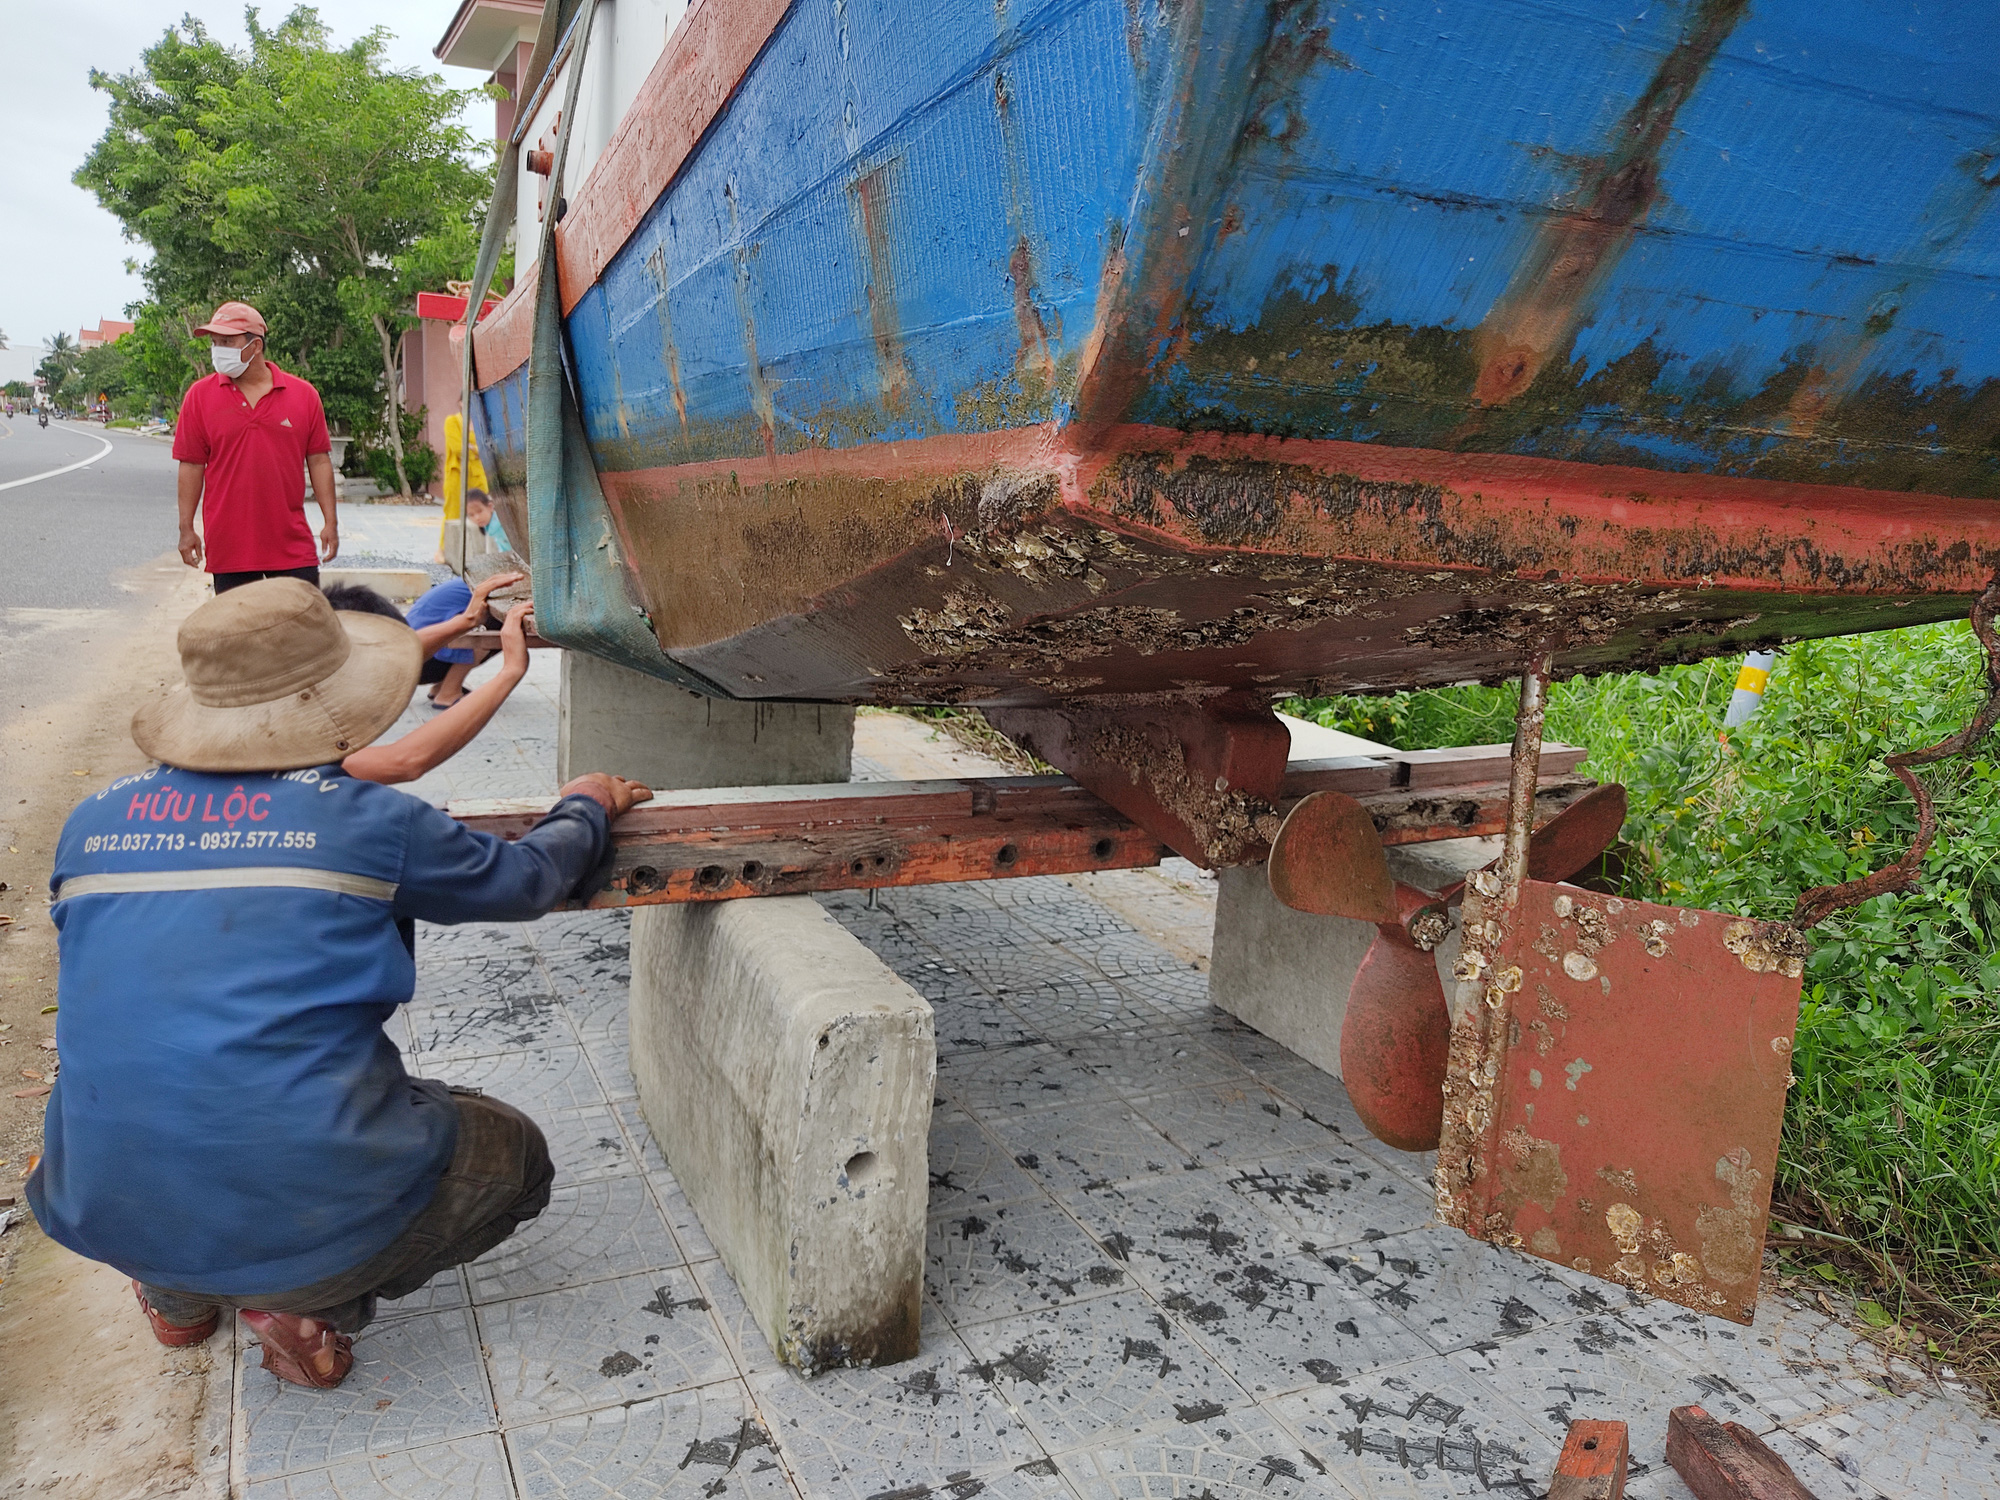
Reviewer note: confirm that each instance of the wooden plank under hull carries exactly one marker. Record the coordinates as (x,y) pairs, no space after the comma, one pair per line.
(707,845)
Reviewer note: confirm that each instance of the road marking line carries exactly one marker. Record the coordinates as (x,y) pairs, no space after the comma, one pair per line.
(51,473)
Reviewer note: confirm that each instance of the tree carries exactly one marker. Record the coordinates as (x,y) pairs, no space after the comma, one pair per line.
(60,357)
(310,179)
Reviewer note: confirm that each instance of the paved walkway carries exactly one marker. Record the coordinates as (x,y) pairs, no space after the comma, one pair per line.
(1165,1260)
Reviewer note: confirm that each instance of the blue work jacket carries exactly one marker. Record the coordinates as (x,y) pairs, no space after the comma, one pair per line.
(230,1116)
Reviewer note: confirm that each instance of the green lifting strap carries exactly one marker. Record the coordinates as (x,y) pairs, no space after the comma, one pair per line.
(585,594)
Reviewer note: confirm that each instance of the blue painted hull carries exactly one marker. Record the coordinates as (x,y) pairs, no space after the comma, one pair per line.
(1742,240)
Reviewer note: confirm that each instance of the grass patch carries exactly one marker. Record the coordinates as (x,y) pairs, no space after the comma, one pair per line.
(969,728)
(1891,1152)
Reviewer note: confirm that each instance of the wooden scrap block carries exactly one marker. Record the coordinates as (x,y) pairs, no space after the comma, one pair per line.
(1727,1461)
(1592,1465)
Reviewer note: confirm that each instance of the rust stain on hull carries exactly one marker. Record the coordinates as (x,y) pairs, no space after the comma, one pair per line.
(1539,311)
(871,203)
(670,353)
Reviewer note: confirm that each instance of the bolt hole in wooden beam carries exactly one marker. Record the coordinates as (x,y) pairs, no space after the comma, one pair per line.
(730,843)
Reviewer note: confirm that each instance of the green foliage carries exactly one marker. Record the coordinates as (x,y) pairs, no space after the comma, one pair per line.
(372,455)
(17,390)
(1892,1134)
(309,179)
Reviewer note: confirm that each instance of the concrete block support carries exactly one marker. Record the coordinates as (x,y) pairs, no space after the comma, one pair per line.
(1287,973)
(614,719)
(787,1074)
(785,1071)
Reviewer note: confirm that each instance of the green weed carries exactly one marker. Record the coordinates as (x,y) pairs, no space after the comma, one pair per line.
(1892,1132)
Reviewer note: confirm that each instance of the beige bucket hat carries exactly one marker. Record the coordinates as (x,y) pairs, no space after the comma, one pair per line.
(276,680)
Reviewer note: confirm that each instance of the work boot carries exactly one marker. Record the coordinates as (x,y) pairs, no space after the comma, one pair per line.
(176,1335)
(302,1350)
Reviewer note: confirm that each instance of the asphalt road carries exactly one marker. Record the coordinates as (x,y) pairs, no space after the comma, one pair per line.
(65,539)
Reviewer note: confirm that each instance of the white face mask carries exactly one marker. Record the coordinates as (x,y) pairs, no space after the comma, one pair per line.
(227,361)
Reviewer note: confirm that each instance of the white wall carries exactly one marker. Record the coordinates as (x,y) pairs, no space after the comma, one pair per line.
(627,41)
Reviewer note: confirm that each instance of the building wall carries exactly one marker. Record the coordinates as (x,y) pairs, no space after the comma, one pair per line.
(628,41)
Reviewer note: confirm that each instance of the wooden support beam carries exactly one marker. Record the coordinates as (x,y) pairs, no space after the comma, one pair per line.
(1726,1460)
(1593,1462)
(719,845)
(489,640)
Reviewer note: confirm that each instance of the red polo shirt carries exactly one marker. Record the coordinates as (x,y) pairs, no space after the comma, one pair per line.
(253,495)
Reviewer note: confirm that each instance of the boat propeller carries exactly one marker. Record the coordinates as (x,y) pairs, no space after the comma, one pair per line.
(1328,860)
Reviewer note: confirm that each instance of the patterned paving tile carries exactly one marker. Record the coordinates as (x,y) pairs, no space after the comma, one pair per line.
(732,1314)
(586,1144)
(968,1168)
(1322,1096)
(1427,1430)
(646,1152)
(603,1344)
(853,1434)
(1552,1381)
(1238,1120)
(1912,1446)
(471,1027)
(1108,1364)
(472,1468)
(987,1263)
(606,1034)
(1450,1289)
(416,1381)
(1182,993)
(591,1231)
(1241,1453)
(536,1080)
(1089,1147)
(693,1239)
(442,1292)
(1178,1233)
(1284,1324)
(1793,1362)
(1333,1199)
(696,1445)
(1248,1046)
(1147,1062)
(998,1082)
(1081,1005)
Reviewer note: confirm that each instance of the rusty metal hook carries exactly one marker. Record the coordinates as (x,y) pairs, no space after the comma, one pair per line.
(1821,902)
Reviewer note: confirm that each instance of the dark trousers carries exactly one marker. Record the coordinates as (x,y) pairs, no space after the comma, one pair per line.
(224,582)
(498,1180)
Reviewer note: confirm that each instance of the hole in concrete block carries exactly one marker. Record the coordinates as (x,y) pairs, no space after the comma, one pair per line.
(860,866)
(753,872)
(711,878)
(861,1169)
(1101,849)
(825,1037)
(643,881)
(1007,855)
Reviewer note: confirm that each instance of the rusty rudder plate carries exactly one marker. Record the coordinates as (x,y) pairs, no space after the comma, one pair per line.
(1617,1087)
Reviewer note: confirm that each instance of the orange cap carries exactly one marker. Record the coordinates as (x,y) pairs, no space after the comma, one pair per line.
(234,317)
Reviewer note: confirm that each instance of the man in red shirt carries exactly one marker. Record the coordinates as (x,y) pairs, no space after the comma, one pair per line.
(246,438)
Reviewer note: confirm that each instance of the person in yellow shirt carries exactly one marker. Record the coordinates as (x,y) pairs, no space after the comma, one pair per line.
(454,480)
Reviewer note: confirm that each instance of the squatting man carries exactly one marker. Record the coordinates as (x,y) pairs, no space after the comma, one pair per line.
(231,1127)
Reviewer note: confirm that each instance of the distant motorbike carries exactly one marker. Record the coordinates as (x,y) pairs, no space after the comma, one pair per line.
(42,418)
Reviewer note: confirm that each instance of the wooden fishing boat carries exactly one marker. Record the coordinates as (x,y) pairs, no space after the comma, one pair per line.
(1018,353)
(1119,365)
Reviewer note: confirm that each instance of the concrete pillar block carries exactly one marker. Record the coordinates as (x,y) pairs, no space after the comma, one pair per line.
(621,721)
(788,1075)
(1287,973)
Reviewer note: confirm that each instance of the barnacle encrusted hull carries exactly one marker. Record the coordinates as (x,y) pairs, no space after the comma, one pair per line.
(1101,347)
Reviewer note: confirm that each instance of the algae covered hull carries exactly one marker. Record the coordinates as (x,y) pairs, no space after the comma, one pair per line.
(1019,352)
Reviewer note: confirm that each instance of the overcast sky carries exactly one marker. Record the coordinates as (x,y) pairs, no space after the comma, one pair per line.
(62,258)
